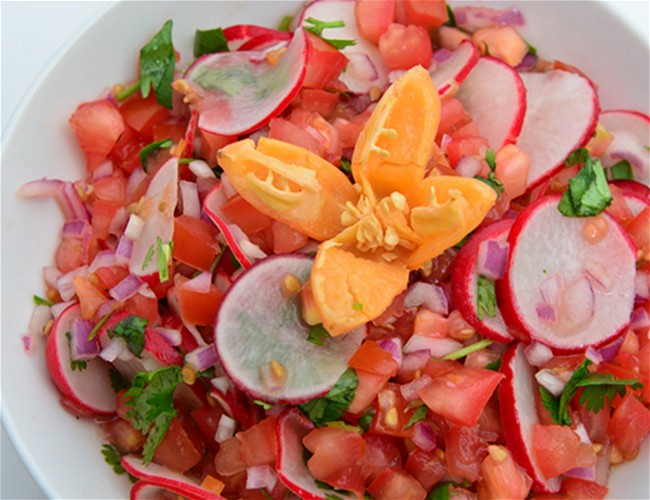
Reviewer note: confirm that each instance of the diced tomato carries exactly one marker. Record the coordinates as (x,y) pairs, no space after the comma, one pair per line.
(124,436)
(639,231)
(460,394)
(286,239)
(466,146)
(436,367)
(369,386)
(111,275)
(370,357)
(103,214)
(126,152)
(396,483)
(428,467)
(502,477)
(324,63)
(142,114)
(373,17)
(629,424)
(283,130)
(318,101)
(90,297)
(558,449)
(111,189)
(145,307)
(177,451)
(403,47)
(579,489)
(159,288)
(465,451)
(326,135)
(70,254)
(211,143)
(97,125)
(258,443)
(207,419)
(199,308)
(430,324)
(246,216)
(188,342)
(161,349)
(350,128)
(393,413)
(381,452)
(512,166)
(228,460)
(452,117)
(426,13)
(168,129)
(336,457)
(195,242)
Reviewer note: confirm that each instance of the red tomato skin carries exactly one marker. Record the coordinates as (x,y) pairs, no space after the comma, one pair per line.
(466,146)
(228,460)
(199,308)
(97,125)
(211,143)
(126,152)
(124,436)
(371,358)
(176,451)
(373,17)
(396,483)
(502,477)
(161,349)
(207,420)
(369,386)
(111,189)
(426,13)
(246,216)
(195,242)
(145,307)
(286,239)
(580,489)
(258,443)
(426,466)
(392,413)
(403,47)
(324,63)
(558,449)
(103,214)
(629,424)
(142,114)
(381,452)
(168,129)
(111,275)
(69,255)
(318,101)
(465,451)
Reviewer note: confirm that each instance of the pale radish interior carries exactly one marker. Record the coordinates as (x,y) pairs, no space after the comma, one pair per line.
(451,72)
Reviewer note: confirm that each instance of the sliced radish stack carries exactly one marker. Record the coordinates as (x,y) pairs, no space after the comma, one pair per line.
(450,73)
(560,288)
(164,479)
(238,92)
(561,116)
(491,245)
(242,248)
(366,68)
(519,415)
(264,349)
(292,427)
(239,34)
(631,131)
(494,96)
(89,388)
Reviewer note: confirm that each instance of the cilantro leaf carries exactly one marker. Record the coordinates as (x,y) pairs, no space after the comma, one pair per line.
(118,381)
(532,50)
(491,159)
(419,415)
(346,165)
(365,421)
(157,63)
(318,26)
(577,157)
(163,257)
(621,170)
(588,193)
(452,18)
(441,492)
(150,405)
(332,406)
(598,386)
(492,181)
(318,335)
(486,299)
(40,301)
(209,42)
(113,458)
(285,23)
(146,151)
(494,365)
(131,330)
(551,403)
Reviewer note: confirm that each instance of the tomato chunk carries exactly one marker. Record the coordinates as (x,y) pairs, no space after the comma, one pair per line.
(426,13)
(465,451)
(372,358)
(403,47)
(558,449)
(373,17)
(502,477)
(142,114)
(396,483)
(629,424)
(195,242)
(325,63)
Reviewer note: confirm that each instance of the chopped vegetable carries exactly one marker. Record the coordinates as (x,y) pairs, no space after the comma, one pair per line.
(157,62)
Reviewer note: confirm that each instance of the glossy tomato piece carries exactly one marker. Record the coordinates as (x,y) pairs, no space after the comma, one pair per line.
(103,214)
(392,413)
(90,296)
(110,276)
(195,242)
(374,17)
(580,489)
(228,460)
(199,308)
(324,63)
(465,451)
(558,449)
(428,467)
(97,125)
(161,349)
(168,129)
(111,189)
(70,254)
(238,211)
(177,451)
(629,424)
(211,143)
(124,436)
(145,307)
(502,477)
(142,114)
(426,13)
(318,101)
(403,47)
(207,420)
(369,386)
(381,452)
(371,358)
(258,443)
(396,483)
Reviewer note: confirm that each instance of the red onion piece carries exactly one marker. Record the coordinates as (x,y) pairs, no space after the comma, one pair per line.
(610,351)
(586,473)
(395,75)
(528,63)
(640,319)
(593,355)
(468,166)
(202,357)
(414,361)
(201,170)
(64,283)
(492,257)
(441,55)
(225,429)
(29,343)
(113,349)
(171,335)
(106,308)
(394,347)
(118,222)
(642,286)
(124,250)
(75,228)
(77,206)
(50,275)
(58,308)
(424,436)
(199,284)
(47,188)
(550,381)
(444,142)
(222,384)
(127,288)
(410,390)
(473,18)
(437,347)
(537,354)
(135,179)
(428,295)
(546,312)
(190,199)
(102,171)
(361,67)
(261,476)
(81,348)
(105,258)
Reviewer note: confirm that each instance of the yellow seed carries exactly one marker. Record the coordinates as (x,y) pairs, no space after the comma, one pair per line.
(290,285)
(597,447)
(498,453)
(440,454)
(48,327)
(188,374)
(117,88)
(615,456)
(278,372)
(374,93)
(391,417)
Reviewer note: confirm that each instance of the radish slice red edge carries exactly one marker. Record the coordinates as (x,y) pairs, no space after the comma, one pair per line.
(545,246)
(561,116)
(637,195)
(494,96)
(257,325)
(291,428)
(162,477)
(233,106)
(235,237)
(631,131)
(239,34)
(519,414)
(89,389)
(262,42)
(366,67)
(450,73)
(464,282)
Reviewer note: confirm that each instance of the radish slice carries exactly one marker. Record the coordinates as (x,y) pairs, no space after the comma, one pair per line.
(259,331)
(631,131)
(238,92)
(366,68)
(89,388)
(143,490)
(561,116)
(464,281)
(157,211)
(166,479)
(519,414)
(637,195)
(242,248)
(239,34)
(270,40)
(292,427)
(544,245)
(494,96)
(447,75)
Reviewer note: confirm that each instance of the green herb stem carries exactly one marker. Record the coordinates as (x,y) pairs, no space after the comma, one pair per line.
(461,353)
(127,92)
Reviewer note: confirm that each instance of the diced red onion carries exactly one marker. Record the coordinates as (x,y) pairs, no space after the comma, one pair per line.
(105,258)
(473,18)
(64,283)
(222,384)
(395,75)
(118,222)
(222,280)
(491,260)
(551,289)
(190,199)
(39,319)
(394,347)
(528,63)
(424,436)
(75,228)
(360,67)
(437,347)
(77,206)
(59,307)
(106,308)
(410,391)
(104,170)
(593,355)
(414,361)
(537,354)
(135,179)
(441,55)
(428,295)
(171,335)
(29,343)
(113,349)
(579,300)
(586,473)
(147,292)
(550,381)
(642,286)
(582,433)
(124,250)
(248,248)
(261,476)
(134,227)
(468,166)
(201,170)
(225,429)
(82,349)
(48,188)
(50,275)
(126,288)
(203,357)
(200,284)
(546,312)
(610,351)
(597,272)
(640,319)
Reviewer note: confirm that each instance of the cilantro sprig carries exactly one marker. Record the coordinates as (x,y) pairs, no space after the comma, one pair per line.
(419,415)
(150,404)
(157,63)
(131,330)
(209,42)
(146,151)
(318,335)
(588,193)
(491,179)
(596,387)
(332,406)
(318,26)
(486,299)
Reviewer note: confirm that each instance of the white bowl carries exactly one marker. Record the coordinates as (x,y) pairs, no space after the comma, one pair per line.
(62,453)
